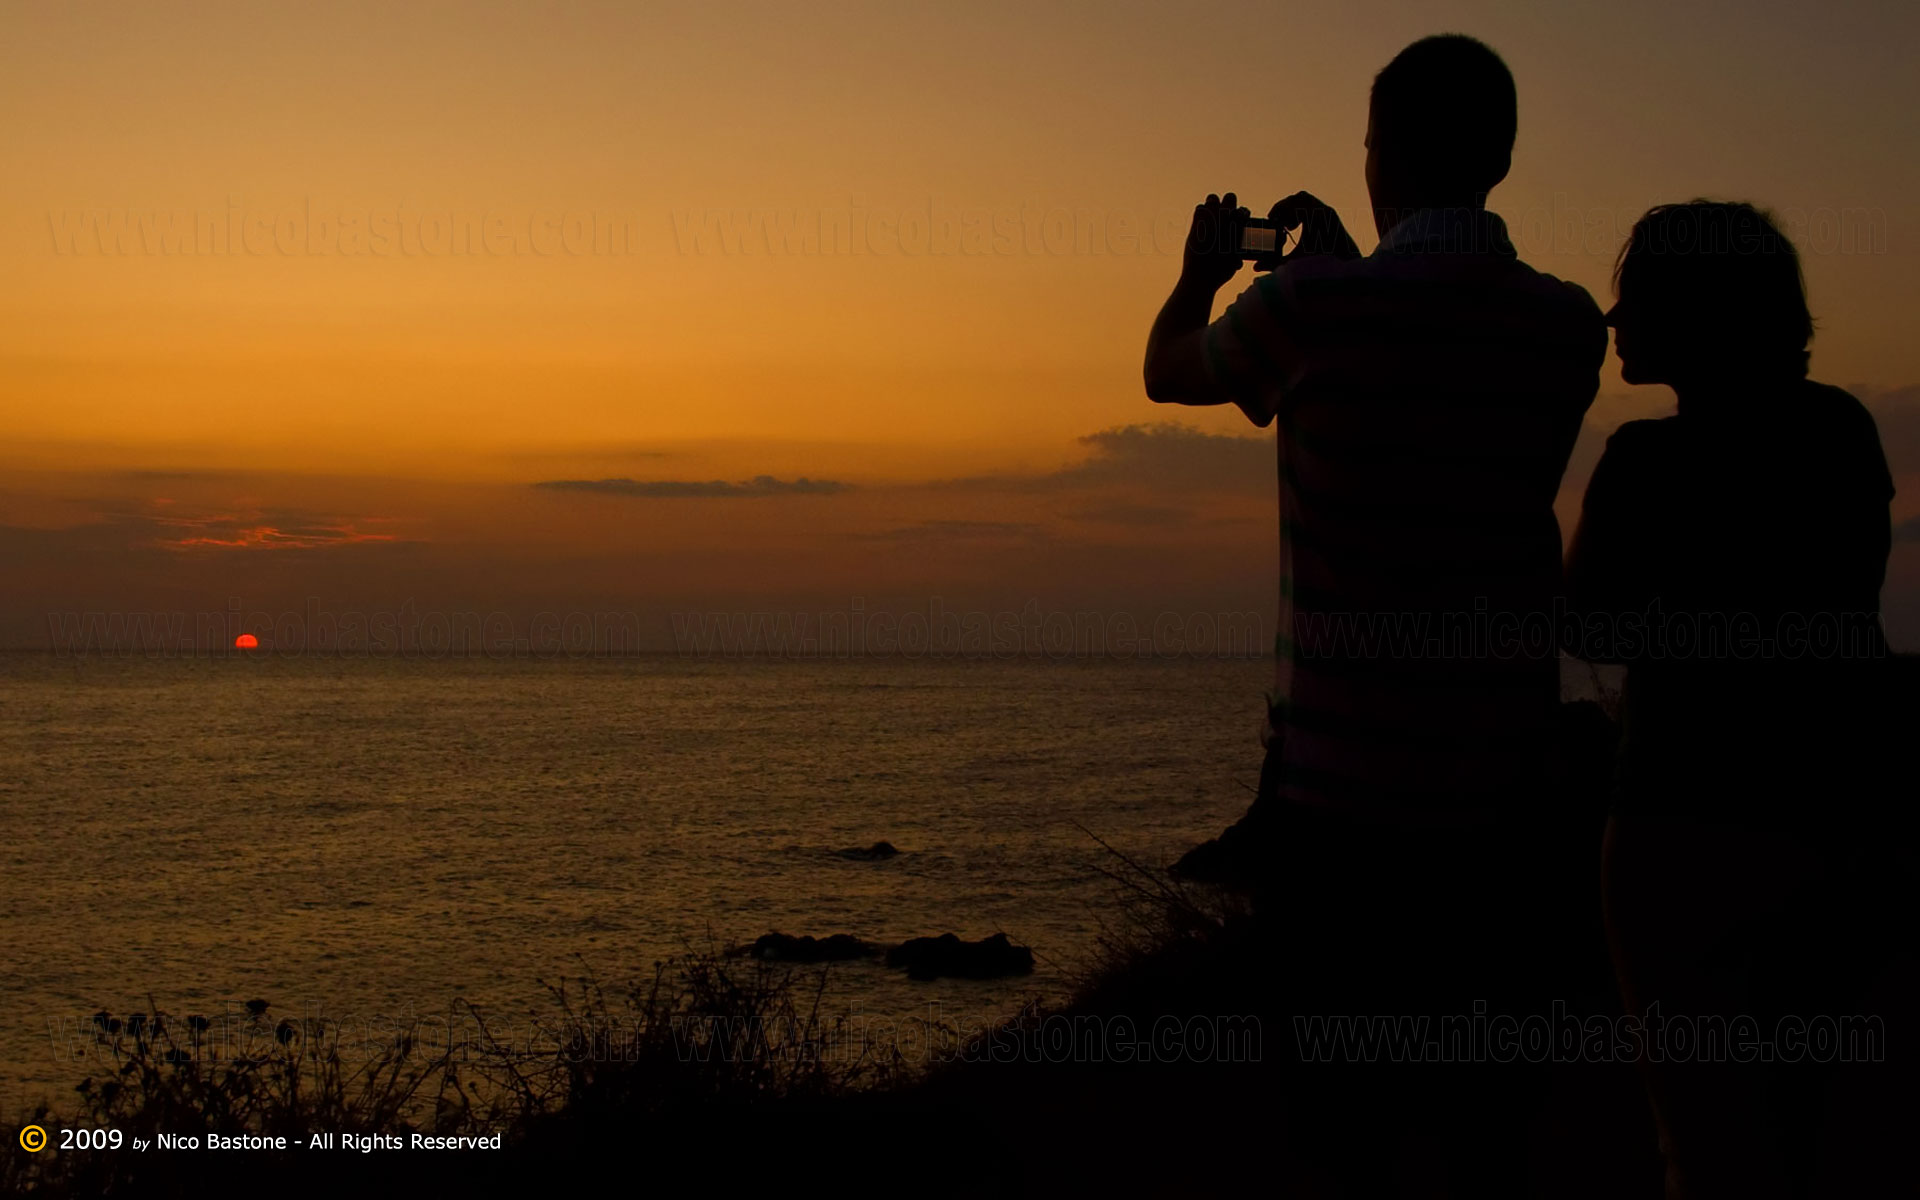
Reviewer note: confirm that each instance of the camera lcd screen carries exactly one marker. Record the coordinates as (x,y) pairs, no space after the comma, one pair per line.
(1255,239)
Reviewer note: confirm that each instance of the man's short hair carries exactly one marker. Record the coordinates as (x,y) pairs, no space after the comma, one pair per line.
(1445,108)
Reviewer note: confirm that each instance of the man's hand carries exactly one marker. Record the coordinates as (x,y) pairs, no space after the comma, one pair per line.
(1213,252)
(1176,372)
(1320,230)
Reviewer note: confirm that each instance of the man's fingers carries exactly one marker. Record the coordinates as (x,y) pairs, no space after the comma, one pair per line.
(1286,213)
(1213,224)
(1289,213)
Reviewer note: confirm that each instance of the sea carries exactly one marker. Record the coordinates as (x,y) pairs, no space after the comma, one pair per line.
(376,841)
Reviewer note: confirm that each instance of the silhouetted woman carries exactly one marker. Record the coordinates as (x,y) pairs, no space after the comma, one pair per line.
(1732,555)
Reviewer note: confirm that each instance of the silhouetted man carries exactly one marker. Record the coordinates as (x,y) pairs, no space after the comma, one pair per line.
(1427,396)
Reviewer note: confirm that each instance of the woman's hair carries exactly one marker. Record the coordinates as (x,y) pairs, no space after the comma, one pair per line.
(1724,274)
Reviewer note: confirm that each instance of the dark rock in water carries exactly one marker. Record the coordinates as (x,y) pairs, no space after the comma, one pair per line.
(947,955)
(873,853)
(781,947)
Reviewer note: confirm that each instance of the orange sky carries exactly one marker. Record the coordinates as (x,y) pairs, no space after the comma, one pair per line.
(440,253)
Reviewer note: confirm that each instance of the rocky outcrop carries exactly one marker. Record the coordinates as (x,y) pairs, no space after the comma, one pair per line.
(874,853)
(934,957)
(781,947)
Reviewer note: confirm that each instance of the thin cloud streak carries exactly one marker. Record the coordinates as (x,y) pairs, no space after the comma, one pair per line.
(1161,457)
(758,486)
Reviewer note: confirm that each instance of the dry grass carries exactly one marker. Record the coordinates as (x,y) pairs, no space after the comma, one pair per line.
(703,1033)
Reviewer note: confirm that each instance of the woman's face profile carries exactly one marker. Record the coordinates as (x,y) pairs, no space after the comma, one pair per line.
(1635,340)
(1650,336)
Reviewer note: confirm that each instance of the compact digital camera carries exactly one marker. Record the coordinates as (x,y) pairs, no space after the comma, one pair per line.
(1261,238)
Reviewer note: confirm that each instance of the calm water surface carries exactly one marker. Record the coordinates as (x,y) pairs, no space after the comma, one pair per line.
(372,838)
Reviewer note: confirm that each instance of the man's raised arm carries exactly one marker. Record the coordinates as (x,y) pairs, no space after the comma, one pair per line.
(1176,368)
(1183,365)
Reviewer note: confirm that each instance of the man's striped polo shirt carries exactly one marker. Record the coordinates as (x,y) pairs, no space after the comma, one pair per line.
(1428,397)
